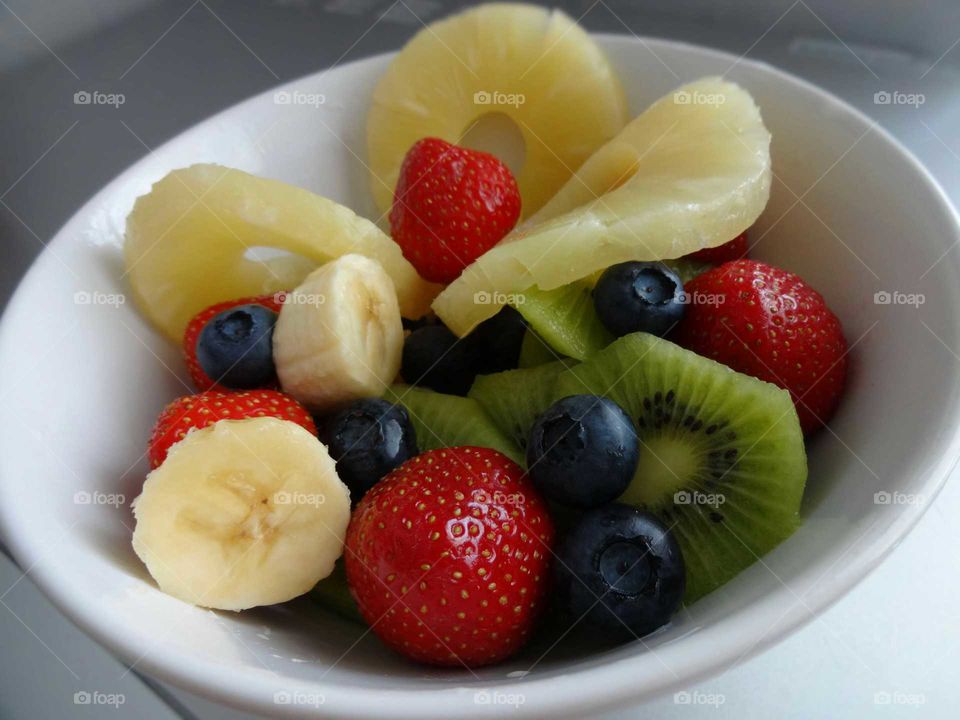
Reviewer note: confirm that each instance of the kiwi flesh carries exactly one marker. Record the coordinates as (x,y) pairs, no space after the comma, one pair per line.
(722,461)
(565,319)
(515,398)
(534,351)
(441,420)
(333,594)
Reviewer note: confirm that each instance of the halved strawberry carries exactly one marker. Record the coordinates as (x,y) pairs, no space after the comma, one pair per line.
(197,411)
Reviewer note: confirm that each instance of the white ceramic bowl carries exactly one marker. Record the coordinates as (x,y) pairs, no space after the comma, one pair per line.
(851,211)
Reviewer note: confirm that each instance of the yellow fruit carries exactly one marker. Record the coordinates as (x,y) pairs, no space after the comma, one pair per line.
(693,171)
(188,242)
(536,66)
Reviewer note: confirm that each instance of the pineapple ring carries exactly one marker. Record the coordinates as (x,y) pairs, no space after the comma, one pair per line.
(188,244)
(536,66)
(691,172)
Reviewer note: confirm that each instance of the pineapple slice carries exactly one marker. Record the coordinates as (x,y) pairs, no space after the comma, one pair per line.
(189,239)
(691,172)
(534,65)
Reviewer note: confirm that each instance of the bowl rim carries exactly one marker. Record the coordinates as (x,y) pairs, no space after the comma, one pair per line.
(611,683)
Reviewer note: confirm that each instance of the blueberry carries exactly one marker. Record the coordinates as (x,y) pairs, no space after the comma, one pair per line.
(621,569)
(637,296)
(235,348)
(496,342)
(435,358)
(583,451)
(368,438)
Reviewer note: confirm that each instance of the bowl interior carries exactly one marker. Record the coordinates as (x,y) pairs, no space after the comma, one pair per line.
(83,377)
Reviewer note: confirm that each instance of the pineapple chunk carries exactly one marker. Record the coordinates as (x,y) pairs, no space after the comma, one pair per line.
(691,172)
(535,65)
(189,239)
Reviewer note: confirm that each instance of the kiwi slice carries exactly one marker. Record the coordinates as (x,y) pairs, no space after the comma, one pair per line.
(687,269)
(722,460)
(333,594)
(451,421)
(534,351)
(565,318)
(515,398)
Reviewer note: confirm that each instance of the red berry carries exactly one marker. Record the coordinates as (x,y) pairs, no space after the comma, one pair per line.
(197,411)
(733,250)
(450,206)
(448,557)
(192,334)
(769,323)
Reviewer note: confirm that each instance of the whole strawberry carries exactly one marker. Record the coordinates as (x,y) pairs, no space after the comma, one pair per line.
(448,557)
(192,334)
(197,411)
(767,322)
(733,250)
(450,206)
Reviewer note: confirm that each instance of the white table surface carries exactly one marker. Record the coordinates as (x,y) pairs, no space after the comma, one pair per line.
(889,649)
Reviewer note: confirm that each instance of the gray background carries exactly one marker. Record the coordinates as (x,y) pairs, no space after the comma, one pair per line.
(179,62)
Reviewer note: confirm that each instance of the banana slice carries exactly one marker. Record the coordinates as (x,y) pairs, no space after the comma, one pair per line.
(339,335)
(242,513)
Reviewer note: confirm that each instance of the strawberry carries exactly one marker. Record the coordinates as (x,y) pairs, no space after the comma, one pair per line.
(448,557)
(767,322)
(450,206)
(192,334)
(733,250)
(197,411)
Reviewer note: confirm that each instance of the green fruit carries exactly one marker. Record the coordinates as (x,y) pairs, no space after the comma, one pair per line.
(565,318)
(535,351)
(333,594)
(515,398)
(450,421)
(722,460)
(687,269)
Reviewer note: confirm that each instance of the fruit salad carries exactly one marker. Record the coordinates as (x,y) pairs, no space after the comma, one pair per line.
(563,394)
